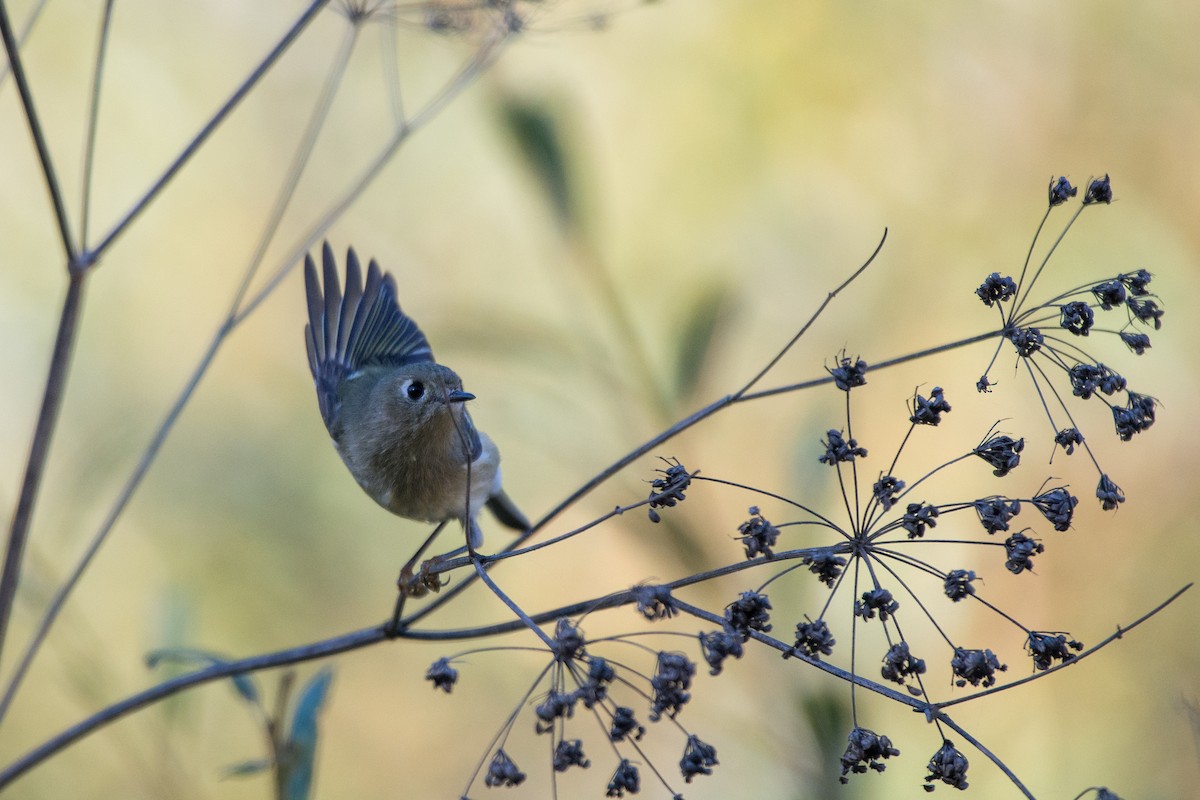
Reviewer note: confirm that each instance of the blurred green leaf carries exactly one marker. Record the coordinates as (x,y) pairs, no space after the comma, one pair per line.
(243,683)
(535,133)
(246,768)
(828,717)
(696,338)
(301,747)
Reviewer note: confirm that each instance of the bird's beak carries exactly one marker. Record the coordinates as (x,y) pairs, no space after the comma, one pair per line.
(459,396)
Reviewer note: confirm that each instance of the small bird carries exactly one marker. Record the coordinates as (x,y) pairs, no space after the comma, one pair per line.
(397,417)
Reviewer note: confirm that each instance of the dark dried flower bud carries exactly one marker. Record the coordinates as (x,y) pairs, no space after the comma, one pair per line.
(975,667)
(1139,343)
(899,664)
(1135,417)
(886,490)
(503,772)
(984,384)
(1046,648)
(670,683)
(1111,382)
(749,613)
(1058,506)
(813,639)
(949,766)
(1098,191)
(865,750)
(1146,311)
(654,602)
(847,375)
(825,565)
(625,779)
(1027,341)
(929,412)
(1137,282)
(1002,453)
(718,646)
(996,512)
(568,641)
(758,535)
(996,289)
(958,584)
(595,688)
(917,518)
(442,675)
(557,705)
(698,759)
(668,490)
(1021,550)
(837,449)
(569,753)
(624,724)
(1109,294)
(1086,379)
(1109,494)
(876,600)
(1061,191)
(1077,317)
(1067,438)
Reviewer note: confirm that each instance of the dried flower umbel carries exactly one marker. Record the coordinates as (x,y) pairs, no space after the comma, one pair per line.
(575,679)
(891,532)
(893,559)
(1048,336)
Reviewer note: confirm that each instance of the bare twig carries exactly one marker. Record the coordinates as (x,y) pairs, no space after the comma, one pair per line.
(211,126)
(70,247)
(93,117)
(64,343)
(241,308)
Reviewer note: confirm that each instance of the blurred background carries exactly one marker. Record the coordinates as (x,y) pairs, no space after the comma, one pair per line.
(721,167)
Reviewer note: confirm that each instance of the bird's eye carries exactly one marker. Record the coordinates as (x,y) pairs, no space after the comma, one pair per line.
(414,390)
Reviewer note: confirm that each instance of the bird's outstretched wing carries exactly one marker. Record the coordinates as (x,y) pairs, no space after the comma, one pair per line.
(362,328)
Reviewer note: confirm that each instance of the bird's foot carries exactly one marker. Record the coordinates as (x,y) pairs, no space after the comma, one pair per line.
(421,583)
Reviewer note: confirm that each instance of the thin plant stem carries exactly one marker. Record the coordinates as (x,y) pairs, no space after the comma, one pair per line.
(89,137)
(1008,773)
(70,246)
(101,535)
(238,313)
(192,147)
(64,344)
(34,14)
(483,58)
(295,170)
(78,267)
(370,636)
(804,328)
(43,432)
(1120,633)
(287,191)
(512,606)
(673,431)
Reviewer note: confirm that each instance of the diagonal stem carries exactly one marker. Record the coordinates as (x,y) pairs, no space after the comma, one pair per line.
(39,450)
(39,138)
(89,137)
(286,192)
(26,30)
(200,138)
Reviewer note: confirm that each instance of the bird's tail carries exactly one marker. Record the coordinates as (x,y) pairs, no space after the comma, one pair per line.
(506,511)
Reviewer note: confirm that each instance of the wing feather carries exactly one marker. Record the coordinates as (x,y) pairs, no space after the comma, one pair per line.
(345,333)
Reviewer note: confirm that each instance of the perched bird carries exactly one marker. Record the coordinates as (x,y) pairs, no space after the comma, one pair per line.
(397,417)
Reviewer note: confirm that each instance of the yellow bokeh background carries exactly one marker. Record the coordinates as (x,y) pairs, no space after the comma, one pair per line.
(744,157)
